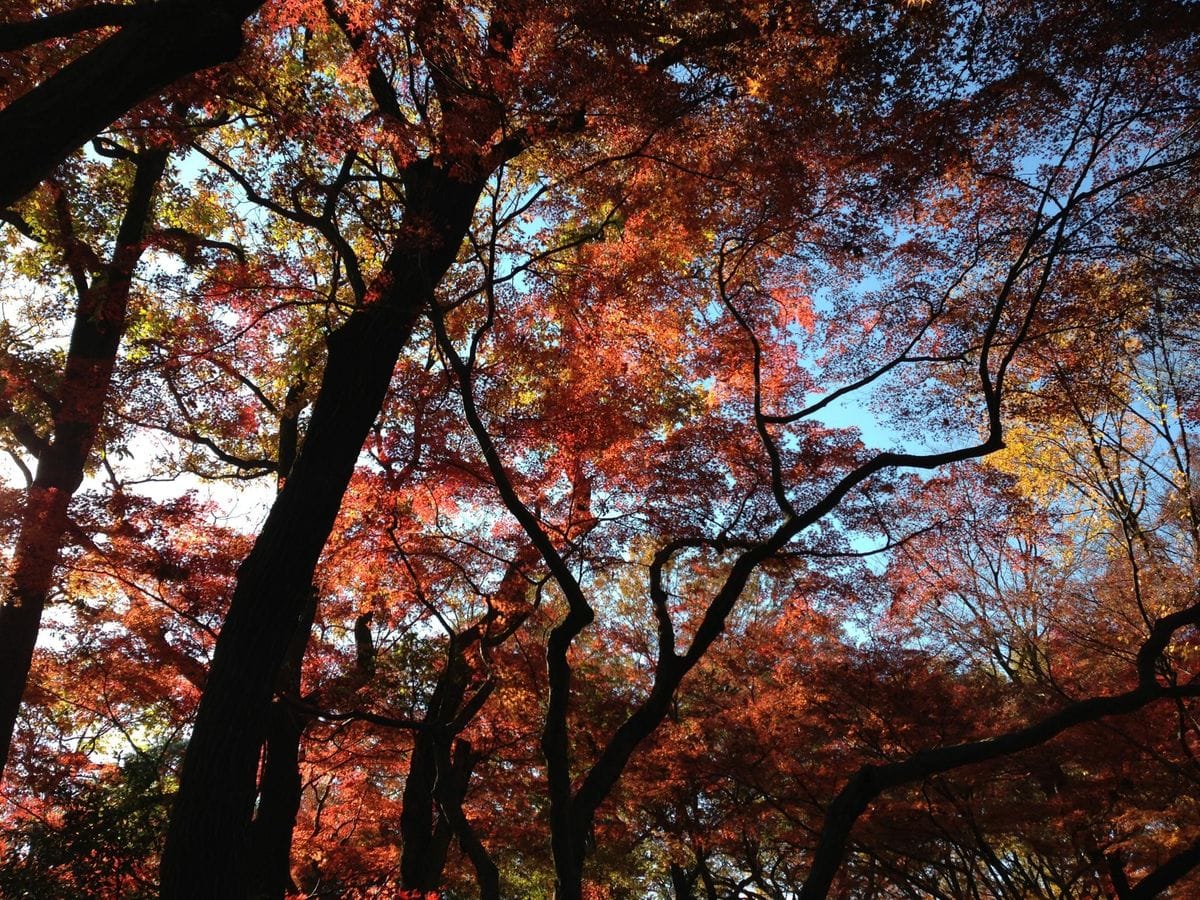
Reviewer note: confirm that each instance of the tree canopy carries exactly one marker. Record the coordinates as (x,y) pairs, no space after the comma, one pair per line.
(606,449)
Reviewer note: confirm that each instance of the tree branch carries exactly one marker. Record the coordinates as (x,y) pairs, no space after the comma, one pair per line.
(19,35)
(871,781)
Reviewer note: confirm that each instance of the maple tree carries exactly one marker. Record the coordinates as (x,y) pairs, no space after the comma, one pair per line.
(540,326)
(103,289)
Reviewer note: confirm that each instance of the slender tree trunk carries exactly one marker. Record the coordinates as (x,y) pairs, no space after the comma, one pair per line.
(270,854)
(440,767)
(280,785)
(165,42)
(433,784)
(91,357)
(681,883)
(567,831)
(206,841)
(269,864)
(456,768)
(706,876)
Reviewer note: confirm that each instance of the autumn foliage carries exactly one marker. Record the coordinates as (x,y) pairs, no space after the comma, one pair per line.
(602,449)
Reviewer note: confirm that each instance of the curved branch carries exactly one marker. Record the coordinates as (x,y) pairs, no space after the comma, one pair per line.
(870,781)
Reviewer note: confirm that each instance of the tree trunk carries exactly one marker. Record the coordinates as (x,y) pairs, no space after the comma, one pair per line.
(433,783)
(280,785)
(424,835)
(706,876)
(568,876)
(206,841)
(91,357)
(166,42)
(270,854)
(681,883)
(455,769)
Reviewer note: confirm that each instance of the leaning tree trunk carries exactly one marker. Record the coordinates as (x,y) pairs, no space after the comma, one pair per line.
(454,775)
(280,785)
(91,357)
(206,841)
(164,42)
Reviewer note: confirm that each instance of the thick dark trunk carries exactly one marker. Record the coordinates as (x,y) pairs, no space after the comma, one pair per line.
(568,875)
(164,43)
(92,353)
(438,777)
(206,841)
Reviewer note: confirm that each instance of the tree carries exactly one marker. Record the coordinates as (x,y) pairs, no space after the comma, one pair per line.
(103,841)
(593,284)
(77,406)
(470,133)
